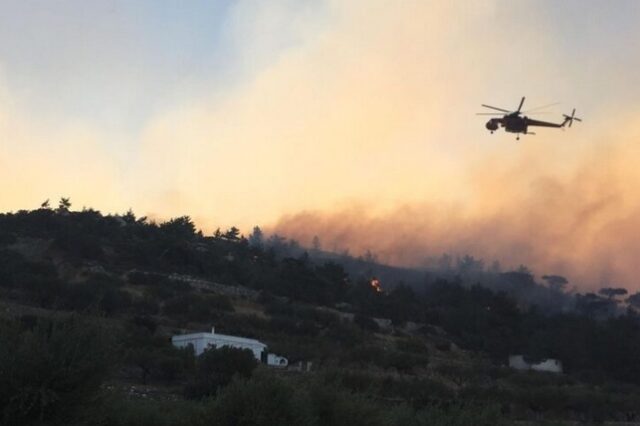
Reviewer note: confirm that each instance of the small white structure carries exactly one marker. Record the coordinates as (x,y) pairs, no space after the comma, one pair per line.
(277,361)
(550,365)
(203,341)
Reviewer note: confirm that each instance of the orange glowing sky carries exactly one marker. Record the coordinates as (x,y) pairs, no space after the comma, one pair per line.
(352,120)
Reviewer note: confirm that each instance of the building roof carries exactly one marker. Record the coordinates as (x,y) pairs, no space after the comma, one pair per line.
(216,336)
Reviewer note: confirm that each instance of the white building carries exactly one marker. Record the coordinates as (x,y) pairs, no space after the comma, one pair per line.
(550,365)
(203,341)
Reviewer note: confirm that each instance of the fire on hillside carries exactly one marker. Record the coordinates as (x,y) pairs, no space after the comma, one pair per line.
(375,283)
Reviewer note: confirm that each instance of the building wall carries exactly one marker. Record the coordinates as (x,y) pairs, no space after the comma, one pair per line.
(549,365)
(201,342)
(255,348)
(517,362)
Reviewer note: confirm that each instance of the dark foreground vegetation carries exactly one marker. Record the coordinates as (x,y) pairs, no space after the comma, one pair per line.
(88,304)
(60,375)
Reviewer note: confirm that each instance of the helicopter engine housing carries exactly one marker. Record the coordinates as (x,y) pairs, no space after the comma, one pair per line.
(491,125)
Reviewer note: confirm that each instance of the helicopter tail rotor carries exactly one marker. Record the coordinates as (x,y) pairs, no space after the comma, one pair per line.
(570,118)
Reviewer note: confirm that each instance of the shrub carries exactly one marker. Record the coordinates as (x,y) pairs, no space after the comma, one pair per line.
(216,367)
(258,402)
(331,405)
(122,412)
(268,400)
(365,355)
(50,371)
(461,415)
(145,306)
(366,323)
(144,278)
(198,308)
(146,322)
(164,288)
(292,327)
(412,345)
(154,357)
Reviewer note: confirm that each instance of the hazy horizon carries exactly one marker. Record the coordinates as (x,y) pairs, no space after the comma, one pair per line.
(349,120)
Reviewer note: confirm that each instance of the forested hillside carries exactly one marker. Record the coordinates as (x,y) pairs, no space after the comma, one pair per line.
(88,303)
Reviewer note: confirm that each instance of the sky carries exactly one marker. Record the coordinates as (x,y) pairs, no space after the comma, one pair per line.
(353,120)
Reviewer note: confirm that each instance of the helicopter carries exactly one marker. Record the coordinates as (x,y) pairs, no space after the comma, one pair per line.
(516,122)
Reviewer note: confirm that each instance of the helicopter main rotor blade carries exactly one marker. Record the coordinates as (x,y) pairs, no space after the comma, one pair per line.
(540,107)
(497,109)
(520,106)
(488,113)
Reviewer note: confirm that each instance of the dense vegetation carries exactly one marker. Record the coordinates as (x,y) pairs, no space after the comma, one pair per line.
(89,301)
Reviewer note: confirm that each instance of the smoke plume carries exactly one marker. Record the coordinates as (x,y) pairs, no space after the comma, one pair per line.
(583,223)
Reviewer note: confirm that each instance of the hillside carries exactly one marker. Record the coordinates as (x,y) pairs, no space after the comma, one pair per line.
(89,303)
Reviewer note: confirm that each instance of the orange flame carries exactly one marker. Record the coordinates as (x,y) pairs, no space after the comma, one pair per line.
(375,283)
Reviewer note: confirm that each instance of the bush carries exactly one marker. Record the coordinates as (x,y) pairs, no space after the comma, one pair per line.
(366,355)
(10,264)
(412,345)
(114,301)
(346,334)
(103,297)
(267,400)
(331,405)
(50,371)
(293,327)
(166,288)
(145,322)
(198,308)
(154,357)
(276,307)
(258,402)
(460,415)
(121,412)
(145,278)
(366,323)
(145,306)
(216,367)
(248,325)
(38,281)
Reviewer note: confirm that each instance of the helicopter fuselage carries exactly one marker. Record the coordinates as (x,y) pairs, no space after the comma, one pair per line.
(512,123)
